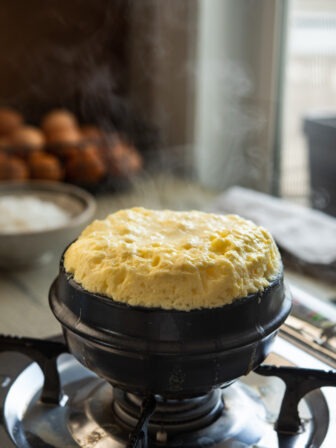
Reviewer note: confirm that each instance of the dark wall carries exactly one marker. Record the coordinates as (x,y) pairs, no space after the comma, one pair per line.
(63,53)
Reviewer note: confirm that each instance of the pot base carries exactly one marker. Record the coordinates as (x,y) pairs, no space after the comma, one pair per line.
(171,353)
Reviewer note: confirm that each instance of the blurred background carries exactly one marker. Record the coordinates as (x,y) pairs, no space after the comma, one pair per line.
(223,92)
(169,104)
(308,142)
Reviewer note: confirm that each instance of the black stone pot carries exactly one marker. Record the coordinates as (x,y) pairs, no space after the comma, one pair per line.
(173,353)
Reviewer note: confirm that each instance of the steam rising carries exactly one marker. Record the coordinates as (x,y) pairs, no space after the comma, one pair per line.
(227,125)
(149,67)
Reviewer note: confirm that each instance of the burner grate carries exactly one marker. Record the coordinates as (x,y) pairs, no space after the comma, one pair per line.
(298,383)
(45,354)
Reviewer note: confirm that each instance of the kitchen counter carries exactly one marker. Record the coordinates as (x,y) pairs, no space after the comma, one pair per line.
(24,308)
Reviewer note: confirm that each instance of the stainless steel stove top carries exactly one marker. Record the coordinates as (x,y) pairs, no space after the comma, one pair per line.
(92,414)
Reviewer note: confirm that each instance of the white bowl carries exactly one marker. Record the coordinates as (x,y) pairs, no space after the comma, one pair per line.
(35,246)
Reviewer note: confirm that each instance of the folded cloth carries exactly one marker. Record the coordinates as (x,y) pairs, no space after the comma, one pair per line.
(305,234)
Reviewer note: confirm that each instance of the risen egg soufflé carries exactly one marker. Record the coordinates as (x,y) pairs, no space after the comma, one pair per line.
(173,260)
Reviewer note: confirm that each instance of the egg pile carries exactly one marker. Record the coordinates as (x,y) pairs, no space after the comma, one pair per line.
(61,149)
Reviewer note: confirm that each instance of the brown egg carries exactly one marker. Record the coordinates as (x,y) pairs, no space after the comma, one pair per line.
(5,143)
(58,119)
(105,145)
(86,167)
(66,136)
(29,137)
(123,159)
(135,161)
(13,168)
(65,143)
(91,132)
(66,152)
(10,120)
(45,166)
(3,157)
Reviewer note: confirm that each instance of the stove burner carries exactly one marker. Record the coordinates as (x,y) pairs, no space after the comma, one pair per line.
(91,413)
(166,418)
(88,415)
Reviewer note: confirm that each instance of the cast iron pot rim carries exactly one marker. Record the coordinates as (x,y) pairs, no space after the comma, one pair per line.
(71,321)
(122,305)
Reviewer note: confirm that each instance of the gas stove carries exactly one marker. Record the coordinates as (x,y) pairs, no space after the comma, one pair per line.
(49,399)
